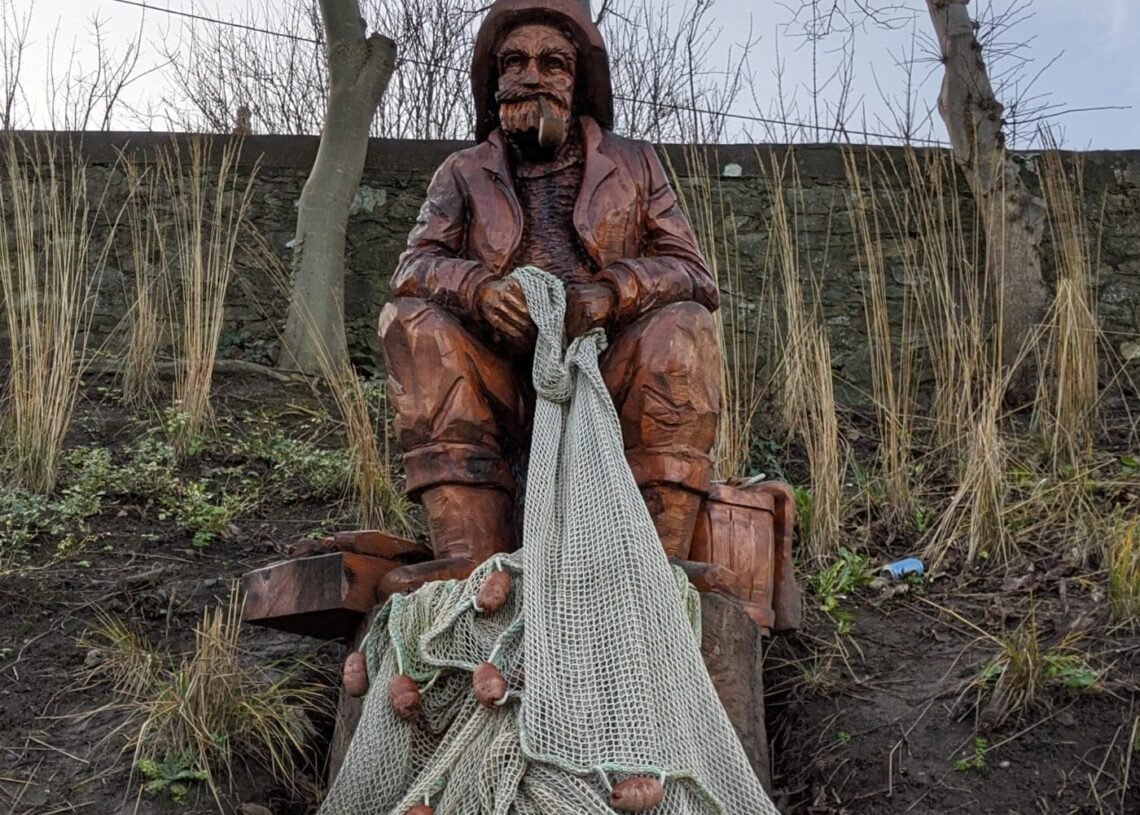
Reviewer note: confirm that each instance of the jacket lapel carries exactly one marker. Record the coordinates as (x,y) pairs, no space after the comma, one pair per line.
(599,167)
(495,165)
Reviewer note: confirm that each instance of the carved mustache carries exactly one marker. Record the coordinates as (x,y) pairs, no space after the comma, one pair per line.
(528,111)
(517,94)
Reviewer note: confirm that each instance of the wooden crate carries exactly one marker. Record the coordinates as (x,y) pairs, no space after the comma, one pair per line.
(749,530)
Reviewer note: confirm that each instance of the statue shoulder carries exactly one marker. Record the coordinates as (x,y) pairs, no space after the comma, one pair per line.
(637,155)
(624,146)
(618,142)
(462,162)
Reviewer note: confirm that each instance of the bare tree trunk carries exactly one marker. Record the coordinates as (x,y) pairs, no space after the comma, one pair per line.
(1012,218)
(359,70)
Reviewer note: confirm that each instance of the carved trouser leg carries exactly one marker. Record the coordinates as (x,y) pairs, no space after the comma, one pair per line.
(463,411)
(457,406)
(664,375)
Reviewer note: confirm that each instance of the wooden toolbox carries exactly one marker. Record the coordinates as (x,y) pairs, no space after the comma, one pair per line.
(748,528)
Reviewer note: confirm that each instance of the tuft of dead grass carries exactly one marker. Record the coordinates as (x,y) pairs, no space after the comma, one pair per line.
(941,263)
(975,514)
(207,707)
(379,502)
(1068,389)
(805,372)
(891,352)
(797,326)
(819,430)
(140,368)
(1123,560)
(1023,673)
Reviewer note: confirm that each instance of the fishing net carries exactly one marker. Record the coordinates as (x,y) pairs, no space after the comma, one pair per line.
(598,643)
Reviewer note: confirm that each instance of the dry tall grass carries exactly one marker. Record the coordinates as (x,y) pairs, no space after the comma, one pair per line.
(962,475)
(891,351)
(796,325)
(140,368)
(957,476)
(1068,390)
(941,259)
(946,309)
(50,266)
(210,200)
(818,428)
(377,499)
(973,523)
(740,333)
(805,372)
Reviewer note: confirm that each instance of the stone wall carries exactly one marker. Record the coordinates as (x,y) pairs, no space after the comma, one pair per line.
(815,189)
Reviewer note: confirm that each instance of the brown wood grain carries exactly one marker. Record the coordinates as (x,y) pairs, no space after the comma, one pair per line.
(732,647)
(324,596)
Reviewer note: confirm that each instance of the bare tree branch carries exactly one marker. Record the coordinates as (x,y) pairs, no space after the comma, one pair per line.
(13,44)
(664,78)
(86,94)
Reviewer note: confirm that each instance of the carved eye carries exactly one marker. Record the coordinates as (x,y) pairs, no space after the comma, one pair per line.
(554,63)
(514,62)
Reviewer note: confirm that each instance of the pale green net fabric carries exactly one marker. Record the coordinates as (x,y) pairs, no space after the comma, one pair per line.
(599,643)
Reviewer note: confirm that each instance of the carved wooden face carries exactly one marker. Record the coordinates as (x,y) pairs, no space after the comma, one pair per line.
(536,76)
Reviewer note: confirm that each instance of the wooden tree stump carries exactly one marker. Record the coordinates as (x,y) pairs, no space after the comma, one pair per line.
(733,648)
(348,711)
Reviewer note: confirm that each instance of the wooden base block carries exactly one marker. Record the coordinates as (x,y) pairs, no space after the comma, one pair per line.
(326,596)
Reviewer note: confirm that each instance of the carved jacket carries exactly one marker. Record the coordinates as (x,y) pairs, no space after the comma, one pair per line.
(626,215)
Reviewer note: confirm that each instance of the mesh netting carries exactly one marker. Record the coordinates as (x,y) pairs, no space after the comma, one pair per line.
(598,642)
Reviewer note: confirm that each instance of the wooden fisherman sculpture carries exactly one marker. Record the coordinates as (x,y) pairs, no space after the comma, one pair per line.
(547,185)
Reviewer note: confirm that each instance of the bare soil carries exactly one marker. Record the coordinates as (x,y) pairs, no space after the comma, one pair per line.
(873,720)
(888,725)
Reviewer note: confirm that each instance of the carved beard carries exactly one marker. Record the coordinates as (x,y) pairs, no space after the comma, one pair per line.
(524,116)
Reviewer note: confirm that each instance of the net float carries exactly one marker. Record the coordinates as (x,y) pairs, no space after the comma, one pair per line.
(404,694)
(490,686)
(494,592)
(420,809)
(354,675)
(637,794)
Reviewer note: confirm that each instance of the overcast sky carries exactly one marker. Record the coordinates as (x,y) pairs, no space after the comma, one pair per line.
(1091,45)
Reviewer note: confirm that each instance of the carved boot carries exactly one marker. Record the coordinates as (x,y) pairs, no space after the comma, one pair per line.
(467,526)
(674,511)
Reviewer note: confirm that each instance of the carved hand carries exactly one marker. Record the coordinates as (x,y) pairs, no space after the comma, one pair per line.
(502,306)
(590,305)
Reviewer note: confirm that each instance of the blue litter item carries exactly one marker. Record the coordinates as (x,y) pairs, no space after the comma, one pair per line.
(901,568)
